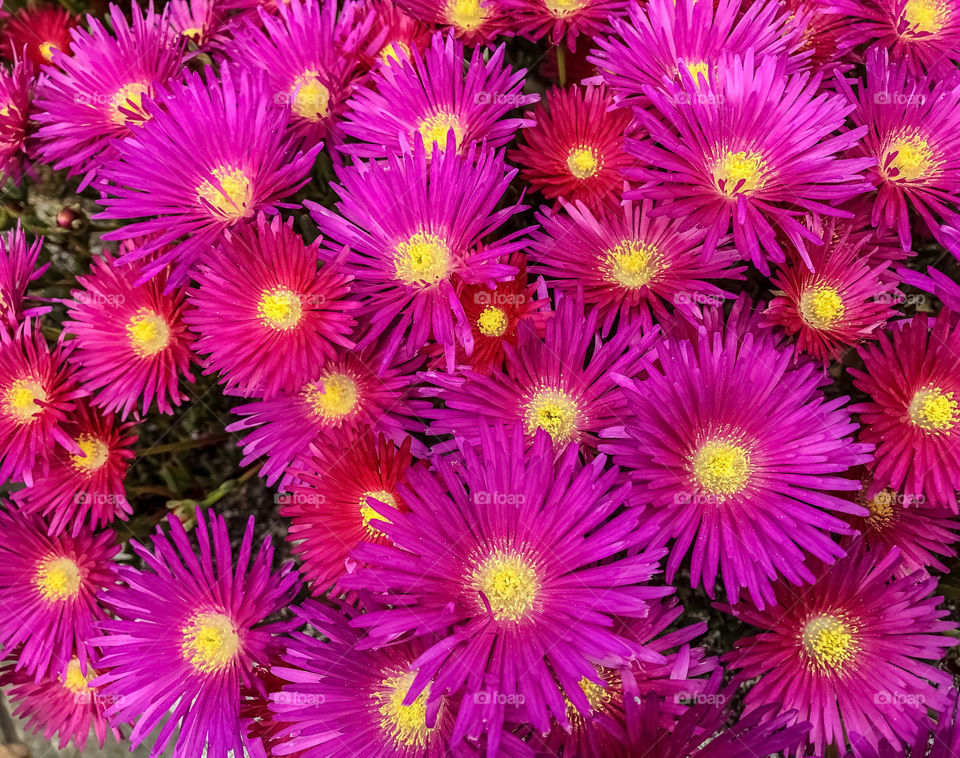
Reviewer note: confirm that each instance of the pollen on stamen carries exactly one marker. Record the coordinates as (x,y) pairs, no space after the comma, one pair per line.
(309,97)
(148,333)
(721,467)
(210,642)
(698,69)
(406,725)
(555,412)
(279,308)
(20,401)
(600,698)
(392,51)
(333,398)
(741,172)
(821,307)
(435,130)
(829,642)
(492,321)
(881,507)
(926,16)
(632,264)
(233,198)
(368,513)
(95,454)
(507,582)
(933,410)
(126,105)
(58,578)
(466,15)
(563,8)
(75,681)
(423,259)
(584,161)
(46,50)
(913,158)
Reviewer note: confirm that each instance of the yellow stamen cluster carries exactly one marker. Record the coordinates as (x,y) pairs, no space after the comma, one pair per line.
(46,50)
(466,15)
(829,642)
(405,724)
(75,681)
(933,410)
(555,412)
(926,16)
(821,307)
(233,198)
(423,259)
(739,173)
(95,454)
(393,51)
(367,511)
(599,698)
(57,578)
(210,642)
(584,161)
(881,508)
(721,467)
(699,69)
(563,8)
(492,322)
(130,98)
(436,129)
(279,308)
(632,264)
(914,161)
(20,400)
(309,97)
(336,398)
(148,333)
(509,583)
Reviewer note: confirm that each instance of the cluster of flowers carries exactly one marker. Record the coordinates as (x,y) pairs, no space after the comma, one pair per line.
(492,425)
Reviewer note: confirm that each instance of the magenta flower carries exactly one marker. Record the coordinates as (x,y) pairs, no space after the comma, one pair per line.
(18,269)
(34,33)
(16,110)
(474,21)
(562,20)
(204,638)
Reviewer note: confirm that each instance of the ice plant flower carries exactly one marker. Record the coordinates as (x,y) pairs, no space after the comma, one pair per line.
(575,150)
(497,551)
(653,42)
(208,633)
(16,109)
(349,393)
(913,140)
(474,21)
(628,264)
(223,143)
(846,299)
(38,31)
(851,653)
(266,317)
(131,347)
(18,270)
(389,34)
(562,21)
(437,94)
(563,383)
(755,149)
(86,487)
(92,98)
(912,415)
(409,258)
(736,449)
(48,588)
(331,502)
(37,392)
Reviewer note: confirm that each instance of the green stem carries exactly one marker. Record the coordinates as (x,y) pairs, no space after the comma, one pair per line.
(176,447)
(562,64)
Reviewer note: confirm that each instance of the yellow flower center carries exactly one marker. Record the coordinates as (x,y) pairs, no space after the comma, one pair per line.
(435,131)
(405,724)
(20,400)
(698,69)
(95,454)
(210,642)
(194,33)
(46,50)
(337,398)
(563,8)
(57,578)
(392,51)
(130,98)
(721,468)
(75,681)
(466,15)
(933,410)
(367,511)
(914,159)
(309,97)
(492,322)
(881,509)
(509,583)
(148,332)
(740,172)
(828,642)
(279,308)
(233,197)
(555,412)
(926,16)
(821,307)
(422,259)
(599,698)
(583,162)
(632,264)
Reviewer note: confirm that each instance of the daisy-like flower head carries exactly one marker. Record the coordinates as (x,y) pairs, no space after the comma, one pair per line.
(226,155)
(389,34)
(821,34)
(500,548)
(913,141)
(208,24)
(203,639)
(330,505)
(576,148)
(562,21)
(48,587)
(94,97)
(16,88)
(36,395)
(267,318)
(627,263)
(843,301)
(18,268)
(64,705)
(562,383)
(736,449)
(435,95)
(913,414)
(753,149)
(415,228)
(131,346)
(475,21)
(87,486)
(39,31)
(924,34)
(305,67)
(349,393)
(852,653)
(655,41)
